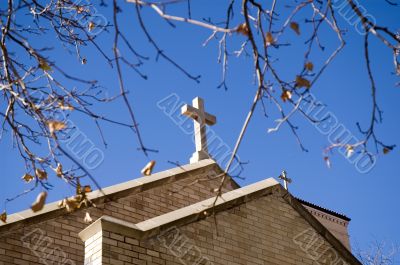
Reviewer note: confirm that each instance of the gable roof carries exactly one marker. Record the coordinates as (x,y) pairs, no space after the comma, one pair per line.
(201,210)
(312,205)
(184,215)
(52,210)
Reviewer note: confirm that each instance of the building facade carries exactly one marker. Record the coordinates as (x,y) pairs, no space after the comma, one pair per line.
(173,217)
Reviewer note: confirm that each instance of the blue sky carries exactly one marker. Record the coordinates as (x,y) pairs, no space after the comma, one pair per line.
(370,199)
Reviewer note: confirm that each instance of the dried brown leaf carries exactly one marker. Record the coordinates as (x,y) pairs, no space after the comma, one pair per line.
(309,66)
(243,29)
(44,65)
(41,174)
(3,217)
(91,25)
(62,203)
(71,204)
(269,39)
(59,170)
(65,106)
(148,168)
(40,201)
(286,95)
(302,82)
(87,218)
(55,126)
(80,9)
(386,150)
(27,178)
(295,27)
(87,188)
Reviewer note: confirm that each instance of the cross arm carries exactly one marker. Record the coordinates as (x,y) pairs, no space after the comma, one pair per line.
(193,113)
(210,119)
(189,111)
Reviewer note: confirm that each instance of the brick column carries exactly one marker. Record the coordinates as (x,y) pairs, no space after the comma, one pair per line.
(94,249)
(110,241)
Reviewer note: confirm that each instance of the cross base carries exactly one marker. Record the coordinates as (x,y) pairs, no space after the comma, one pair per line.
(199,155)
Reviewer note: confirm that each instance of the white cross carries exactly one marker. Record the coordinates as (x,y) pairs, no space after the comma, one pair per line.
(201,119)
(286,180)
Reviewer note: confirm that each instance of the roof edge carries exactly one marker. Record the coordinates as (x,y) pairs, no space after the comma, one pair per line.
(325,210)
(116,191)
(198,211)
(182,216)
(320,228)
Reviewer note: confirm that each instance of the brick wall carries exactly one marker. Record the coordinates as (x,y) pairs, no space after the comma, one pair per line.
(53,238)
(266,230)
(337,226)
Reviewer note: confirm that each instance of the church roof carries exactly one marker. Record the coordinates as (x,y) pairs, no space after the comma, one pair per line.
(188,214)
(119,190)
(204,209)
(183,215)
